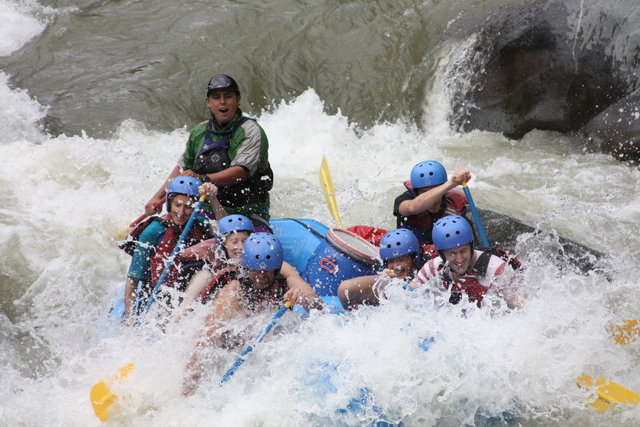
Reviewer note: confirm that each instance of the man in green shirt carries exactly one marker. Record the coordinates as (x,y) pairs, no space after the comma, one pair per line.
(231,151)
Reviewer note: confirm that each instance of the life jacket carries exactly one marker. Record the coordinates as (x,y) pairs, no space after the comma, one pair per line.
(454,202)
(214,157)
(256,299)
(222,276)
(129,245)
(164,250)
(372,235)
(469,283)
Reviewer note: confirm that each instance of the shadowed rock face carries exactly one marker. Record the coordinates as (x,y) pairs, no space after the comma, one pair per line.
(504,232)
(543,67)
(616,130)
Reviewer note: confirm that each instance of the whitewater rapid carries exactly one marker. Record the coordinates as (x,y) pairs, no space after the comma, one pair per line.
(66,199)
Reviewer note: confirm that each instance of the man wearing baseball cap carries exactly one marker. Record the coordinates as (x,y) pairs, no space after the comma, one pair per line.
(231,151)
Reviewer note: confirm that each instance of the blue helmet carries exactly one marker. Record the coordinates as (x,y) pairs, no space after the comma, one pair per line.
(262,251)
(450,232)
(182,185)
(428,173)
(235,223)
(397,243)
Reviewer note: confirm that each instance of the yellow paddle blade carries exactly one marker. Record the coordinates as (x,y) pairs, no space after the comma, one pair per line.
(326,182)
(122,234)
(102,398)
(609,394)
(625,331)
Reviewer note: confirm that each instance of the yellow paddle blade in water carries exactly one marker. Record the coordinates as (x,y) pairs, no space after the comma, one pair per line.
(625,331)
(608,393)
(104,401)
(326,182)
(122,234)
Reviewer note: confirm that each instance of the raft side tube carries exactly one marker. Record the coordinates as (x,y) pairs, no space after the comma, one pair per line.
(299,238)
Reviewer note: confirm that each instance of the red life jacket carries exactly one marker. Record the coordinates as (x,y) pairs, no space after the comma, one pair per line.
(163,251)
(372,235)
(222,276)
(469,283)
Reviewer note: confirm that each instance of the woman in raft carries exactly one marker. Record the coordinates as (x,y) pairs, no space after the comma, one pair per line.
(152,243)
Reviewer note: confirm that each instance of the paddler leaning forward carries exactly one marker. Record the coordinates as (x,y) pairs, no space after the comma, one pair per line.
(231,151)
(402,258)
(262,288)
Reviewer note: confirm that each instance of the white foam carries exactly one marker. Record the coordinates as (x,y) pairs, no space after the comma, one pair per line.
(20,115)
(19,24)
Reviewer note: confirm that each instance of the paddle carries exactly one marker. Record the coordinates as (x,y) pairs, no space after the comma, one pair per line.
(104,401)
(625,331)
(287,305)
(176,249)
(328,190)
(609,393)
(102,398)
(476,217)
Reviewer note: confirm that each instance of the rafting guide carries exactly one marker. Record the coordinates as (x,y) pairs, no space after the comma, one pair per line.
(231,151)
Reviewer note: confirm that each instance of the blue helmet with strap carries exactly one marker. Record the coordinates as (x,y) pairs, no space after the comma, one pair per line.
(398,243)
(427,174)
(182,185)
(450,232)
(262,251)
(235,223)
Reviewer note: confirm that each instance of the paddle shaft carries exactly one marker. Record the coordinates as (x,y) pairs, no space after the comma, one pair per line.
(240,360)
(476,217)
(176,249)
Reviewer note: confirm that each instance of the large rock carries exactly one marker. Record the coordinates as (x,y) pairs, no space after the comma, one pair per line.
(521,239)
(548,65)
(616,130)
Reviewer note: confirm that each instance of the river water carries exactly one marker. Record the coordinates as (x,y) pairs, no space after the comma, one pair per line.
(96,101)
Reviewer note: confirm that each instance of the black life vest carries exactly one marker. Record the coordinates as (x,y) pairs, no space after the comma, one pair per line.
(214,157)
